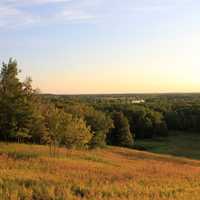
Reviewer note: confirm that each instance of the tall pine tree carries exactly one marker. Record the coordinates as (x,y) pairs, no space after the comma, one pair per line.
(20,117)
(10,99)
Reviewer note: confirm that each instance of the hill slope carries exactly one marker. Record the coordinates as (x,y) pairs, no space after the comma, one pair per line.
(27,172)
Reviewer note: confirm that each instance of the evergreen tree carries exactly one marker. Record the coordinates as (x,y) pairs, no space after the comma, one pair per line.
(20,114)
(10,100)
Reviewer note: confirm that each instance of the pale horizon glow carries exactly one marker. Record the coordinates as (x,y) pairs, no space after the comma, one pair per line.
(100,46)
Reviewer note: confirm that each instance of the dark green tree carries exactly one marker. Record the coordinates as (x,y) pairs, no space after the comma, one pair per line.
(11,98)
(121,135)
(100,125)
(20,114)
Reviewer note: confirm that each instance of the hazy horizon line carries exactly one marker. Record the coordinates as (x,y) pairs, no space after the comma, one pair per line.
(116,93)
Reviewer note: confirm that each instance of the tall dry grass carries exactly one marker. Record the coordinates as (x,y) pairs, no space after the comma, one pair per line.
(28,173)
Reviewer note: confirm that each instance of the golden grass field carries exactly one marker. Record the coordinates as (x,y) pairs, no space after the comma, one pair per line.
(27,172)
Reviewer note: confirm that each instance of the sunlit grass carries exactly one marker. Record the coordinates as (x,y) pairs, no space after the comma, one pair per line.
(112,173)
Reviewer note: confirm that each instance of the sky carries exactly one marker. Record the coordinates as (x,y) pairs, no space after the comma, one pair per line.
(104,46)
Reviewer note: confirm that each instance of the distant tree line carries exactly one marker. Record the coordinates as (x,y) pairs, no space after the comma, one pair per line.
(84,122)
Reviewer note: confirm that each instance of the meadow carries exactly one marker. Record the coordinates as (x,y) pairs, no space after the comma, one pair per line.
(178,143)
(27,172)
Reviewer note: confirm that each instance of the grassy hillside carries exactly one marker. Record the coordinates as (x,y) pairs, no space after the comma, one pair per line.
(181,144)
(28,173)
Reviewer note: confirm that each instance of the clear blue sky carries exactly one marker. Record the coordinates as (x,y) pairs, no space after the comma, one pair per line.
(103,46)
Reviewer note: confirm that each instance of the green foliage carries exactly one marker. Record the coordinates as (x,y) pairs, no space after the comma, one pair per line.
(22,135)
(121,135)
(99,122)
(64,129)
(100,125)
(77,133)
(20,117)
(11,99)
(85,121)
(144,122)
(24,116)
(184,118)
